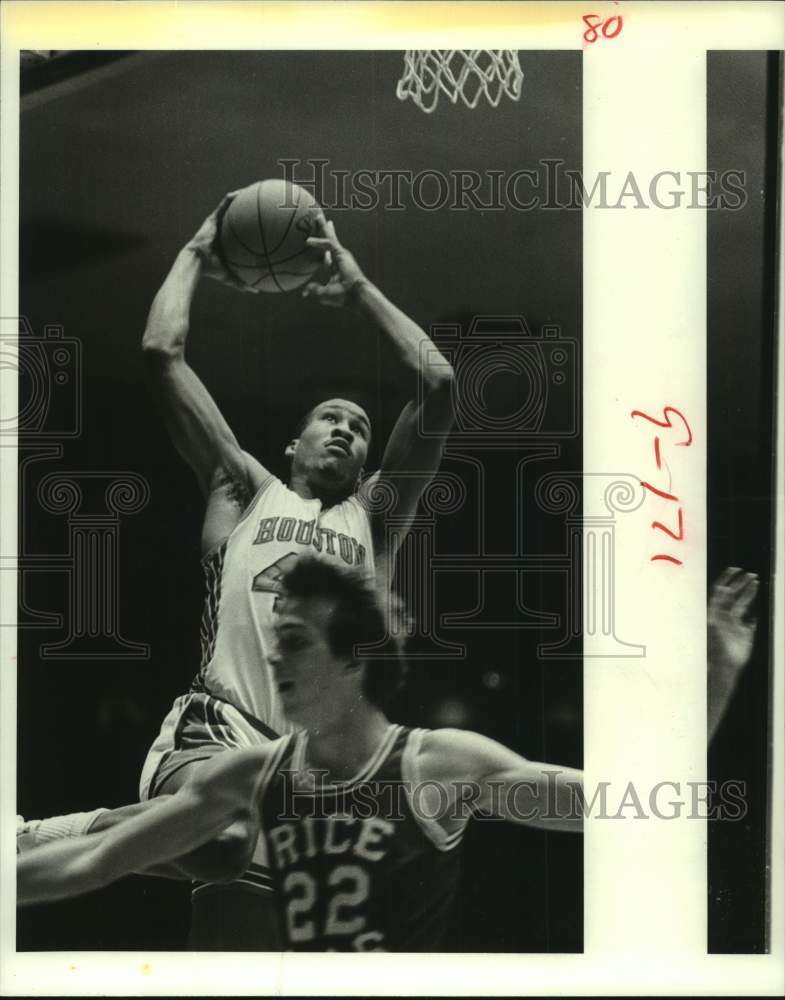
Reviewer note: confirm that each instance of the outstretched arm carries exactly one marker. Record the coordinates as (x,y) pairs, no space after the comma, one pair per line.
(195,423)
(731,635)
(501,783)
(219,795)
(411,459)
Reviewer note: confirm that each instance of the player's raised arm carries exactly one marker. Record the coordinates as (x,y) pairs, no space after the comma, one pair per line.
(222,793)
(499,782)
(410,459)
(196,425)
(731,634)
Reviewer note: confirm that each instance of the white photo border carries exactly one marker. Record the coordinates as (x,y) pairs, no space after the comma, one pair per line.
(645,889)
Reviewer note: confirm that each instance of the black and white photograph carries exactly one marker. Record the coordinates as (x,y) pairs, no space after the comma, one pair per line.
(391,498)
(301,334)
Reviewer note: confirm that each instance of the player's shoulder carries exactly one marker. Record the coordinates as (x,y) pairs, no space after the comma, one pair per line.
(233,491)
(450,754)
(372,495)
(257,475)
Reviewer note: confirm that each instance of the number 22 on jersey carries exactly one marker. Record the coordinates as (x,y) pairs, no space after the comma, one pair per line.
(348,890)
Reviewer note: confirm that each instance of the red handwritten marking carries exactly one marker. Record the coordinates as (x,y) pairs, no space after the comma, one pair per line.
(661,526)
(666,422)
(595,21)
(660,493)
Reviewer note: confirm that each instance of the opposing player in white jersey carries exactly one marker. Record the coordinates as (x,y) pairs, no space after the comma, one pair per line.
(255,525)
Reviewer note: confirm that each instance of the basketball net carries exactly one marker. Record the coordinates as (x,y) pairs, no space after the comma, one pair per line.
(459,73)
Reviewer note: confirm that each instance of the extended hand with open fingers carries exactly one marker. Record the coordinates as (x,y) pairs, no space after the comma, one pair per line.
(731,628)
(343,273)
(204,244)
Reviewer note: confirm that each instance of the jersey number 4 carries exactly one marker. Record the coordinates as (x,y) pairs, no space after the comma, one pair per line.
(350,887)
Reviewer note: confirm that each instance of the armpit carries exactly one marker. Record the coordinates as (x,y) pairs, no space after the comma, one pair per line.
(235,488)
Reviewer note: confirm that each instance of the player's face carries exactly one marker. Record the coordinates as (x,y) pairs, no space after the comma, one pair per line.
(331,450)
(313,683)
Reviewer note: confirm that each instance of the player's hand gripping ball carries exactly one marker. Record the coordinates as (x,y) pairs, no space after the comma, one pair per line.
(345,274)
(262,234)
(256,239)
(203,244)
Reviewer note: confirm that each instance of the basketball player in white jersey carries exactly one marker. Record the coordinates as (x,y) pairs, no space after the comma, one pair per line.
(363,818)
(255,525)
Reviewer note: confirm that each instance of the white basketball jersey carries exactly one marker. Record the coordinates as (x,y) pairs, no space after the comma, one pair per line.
(242,575)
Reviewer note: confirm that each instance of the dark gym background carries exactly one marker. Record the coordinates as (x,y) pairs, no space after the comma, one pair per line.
(119,165)
(744,107)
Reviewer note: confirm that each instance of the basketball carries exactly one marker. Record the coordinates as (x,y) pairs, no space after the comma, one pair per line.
(262,236)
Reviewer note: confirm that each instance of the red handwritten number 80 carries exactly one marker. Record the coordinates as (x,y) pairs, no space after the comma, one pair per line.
(610,28)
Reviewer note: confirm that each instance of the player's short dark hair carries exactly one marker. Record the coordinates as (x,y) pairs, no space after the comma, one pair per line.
(360,617)
(308,416)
